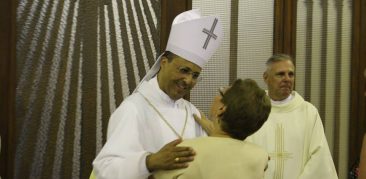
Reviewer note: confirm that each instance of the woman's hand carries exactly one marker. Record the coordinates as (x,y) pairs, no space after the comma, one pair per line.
(205,123)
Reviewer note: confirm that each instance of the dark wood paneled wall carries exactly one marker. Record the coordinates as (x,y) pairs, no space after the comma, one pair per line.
(284,35)
(358,80)
(170,9)
(7,86)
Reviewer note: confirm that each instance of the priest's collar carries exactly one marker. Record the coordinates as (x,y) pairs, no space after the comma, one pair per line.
(164,96)
(288,99)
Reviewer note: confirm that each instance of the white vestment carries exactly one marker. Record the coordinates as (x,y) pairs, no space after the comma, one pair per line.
(221,158)
(294,137)
(135,129)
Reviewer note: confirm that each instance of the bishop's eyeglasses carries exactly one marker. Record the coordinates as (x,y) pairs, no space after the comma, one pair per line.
(187,71)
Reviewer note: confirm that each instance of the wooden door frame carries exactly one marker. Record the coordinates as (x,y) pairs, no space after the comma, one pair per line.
(7,86)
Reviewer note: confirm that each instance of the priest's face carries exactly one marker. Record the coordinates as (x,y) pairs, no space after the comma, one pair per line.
(279,78)
(177,76)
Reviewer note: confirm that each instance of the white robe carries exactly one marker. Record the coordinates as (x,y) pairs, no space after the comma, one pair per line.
(135,129)
(220,158)
(294,137)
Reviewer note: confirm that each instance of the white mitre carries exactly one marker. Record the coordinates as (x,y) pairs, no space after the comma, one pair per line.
(192,37)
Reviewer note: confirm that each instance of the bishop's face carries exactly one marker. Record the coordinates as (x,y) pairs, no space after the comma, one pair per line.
(177,77)
(280,77)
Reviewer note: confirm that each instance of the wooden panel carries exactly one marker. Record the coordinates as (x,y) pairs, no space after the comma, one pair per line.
(7,86)
(285,27)
(358,102)
(234,26)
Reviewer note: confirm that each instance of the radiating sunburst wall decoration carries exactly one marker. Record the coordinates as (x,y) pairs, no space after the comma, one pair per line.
(76,61)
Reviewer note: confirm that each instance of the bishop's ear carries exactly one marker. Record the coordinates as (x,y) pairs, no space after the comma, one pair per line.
(163,60)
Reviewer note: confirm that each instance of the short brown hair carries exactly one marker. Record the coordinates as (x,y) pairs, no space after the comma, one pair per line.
(247,108)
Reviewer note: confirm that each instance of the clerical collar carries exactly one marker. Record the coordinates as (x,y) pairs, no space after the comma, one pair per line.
(155,84)
(288,99)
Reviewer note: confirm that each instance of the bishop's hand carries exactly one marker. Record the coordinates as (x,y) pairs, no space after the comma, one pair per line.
(170,157)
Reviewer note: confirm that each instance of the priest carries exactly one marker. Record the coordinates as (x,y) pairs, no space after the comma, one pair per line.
(293,134)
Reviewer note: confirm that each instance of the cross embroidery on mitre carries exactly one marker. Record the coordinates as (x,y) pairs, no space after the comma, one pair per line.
(210,34)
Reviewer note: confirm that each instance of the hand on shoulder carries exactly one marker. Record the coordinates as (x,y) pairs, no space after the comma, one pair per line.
(205,123)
